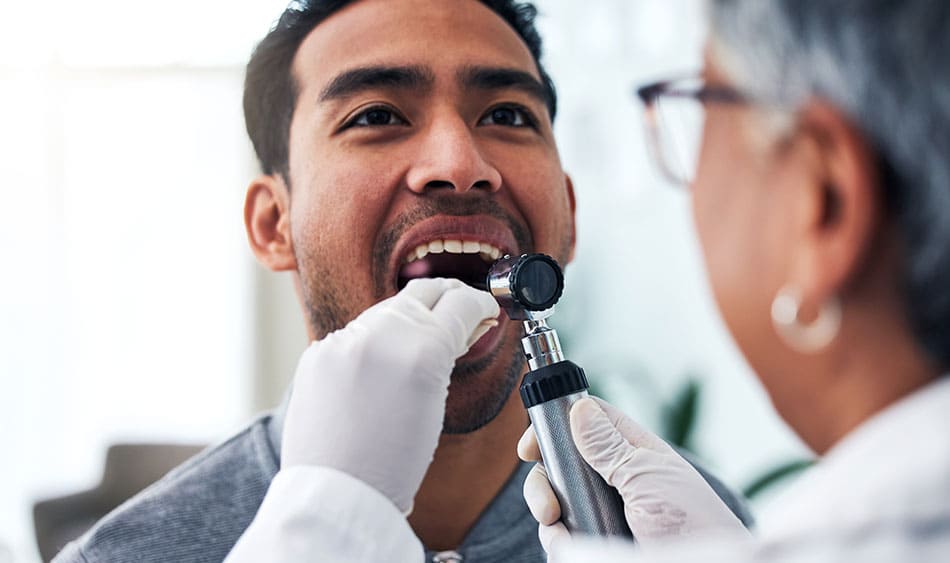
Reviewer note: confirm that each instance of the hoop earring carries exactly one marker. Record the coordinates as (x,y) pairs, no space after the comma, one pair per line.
(804,338)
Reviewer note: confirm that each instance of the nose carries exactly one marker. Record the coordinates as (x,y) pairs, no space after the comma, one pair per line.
(449,157)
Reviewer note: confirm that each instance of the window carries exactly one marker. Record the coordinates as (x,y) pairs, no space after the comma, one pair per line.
(127,284)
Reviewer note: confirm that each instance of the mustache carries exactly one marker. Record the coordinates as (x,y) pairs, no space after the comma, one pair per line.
(451,205)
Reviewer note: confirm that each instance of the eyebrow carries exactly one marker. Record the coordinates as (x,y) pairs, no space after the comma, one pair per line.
(498,78)
(361,79)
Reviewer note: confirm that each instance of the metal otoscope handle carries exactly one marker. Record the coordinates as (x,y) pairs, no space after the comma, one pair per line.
(527,287)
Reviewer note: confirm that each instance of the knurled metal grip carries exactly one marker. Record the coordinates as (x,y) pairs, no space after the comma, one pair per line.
(588,504)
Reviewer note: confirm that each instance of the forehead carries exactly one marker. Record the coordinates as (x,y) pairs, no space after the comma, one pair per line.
(443,35)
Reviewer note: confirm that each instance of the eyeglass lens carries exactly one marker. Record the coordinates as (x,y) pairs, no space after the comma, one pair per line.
(679,132)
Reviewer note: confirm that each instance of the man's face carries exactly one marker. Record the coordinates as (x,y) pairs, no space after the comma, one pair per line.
(420,130)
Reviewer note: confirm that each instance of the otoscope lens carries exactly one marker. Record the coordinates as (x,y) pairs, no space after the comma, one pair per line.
(537,283)
(525,284)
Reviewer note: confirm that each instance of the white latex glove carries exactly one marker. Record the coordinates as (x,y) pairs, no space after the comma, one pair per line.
(663,495)
(369,399)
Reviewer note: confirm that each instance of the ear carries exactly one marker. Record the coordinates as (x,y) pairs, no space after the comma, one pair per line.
(267,220)
(573,202)
(840,208)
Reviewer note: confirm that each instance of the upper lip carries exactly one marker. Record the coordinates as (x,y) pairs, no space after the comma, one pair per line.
(478,228)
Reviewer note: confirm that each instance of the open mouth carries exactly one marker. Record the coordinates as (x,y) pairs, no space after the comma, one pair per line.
(464,260)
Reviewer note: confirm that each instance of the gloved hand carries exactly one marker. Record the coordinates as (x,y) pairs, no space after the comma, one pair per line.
(663,495)
(369,399)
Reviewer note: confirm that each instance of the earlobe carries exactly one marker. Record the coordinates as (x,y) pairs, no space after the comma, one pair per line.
(573,203)
(267,221)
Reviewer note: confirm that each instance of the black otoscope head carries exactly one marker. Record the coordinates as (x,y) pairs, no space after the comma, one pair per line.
(526,285)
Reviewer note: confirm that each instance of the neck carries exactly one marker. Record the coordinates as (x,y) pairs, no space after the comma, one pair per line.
(878,363)
(466,474)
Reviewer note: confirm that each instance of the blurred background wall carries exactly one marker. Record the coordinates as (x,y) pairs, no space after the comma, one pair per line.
(132,310)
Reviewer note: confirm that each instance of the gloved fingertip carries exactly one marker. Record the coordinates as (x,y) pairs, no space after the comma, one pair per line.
(540,498)
(465,314)
(428,291)
(491,303)
(488,305)
(528,449)
(597,439)
(586,413)
(553,536)
(480,331)
(631,430)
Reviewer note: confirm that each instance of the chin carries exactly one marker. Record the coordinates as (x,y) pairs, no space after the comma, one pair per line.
(481,387)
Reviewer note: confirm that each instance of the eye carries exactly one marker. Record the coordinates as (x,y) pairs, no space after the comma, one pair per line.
(377,116)
(508,116)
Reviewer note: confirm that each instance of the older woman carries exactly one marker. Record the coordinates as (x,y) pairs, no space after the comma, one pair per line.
(817,145)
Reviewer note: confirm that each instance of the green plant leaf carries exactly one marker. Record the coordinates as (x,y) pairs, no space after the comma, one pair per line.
(775,475)
(680,416)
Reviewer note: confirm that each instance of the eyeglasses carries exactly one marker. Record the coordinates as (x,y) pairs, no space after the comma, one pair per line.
(675,116)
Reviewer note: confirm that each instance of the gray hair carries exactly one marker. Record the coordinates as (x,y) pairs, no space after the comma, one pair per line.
(884,64)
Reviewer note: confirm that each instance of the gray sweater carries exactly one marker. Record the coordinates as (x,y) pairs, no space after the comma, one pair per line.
(198,511)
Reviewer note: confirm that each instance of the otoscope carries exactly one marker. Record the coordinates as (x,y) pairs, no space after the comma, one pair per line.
(527,287)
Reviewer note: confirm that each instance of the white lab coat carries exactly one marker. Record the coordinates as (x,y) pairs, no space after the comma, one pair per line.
(881,494)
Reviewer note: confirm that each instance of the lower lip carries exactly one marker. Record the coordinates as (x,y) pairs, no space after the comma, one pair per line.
(489,341)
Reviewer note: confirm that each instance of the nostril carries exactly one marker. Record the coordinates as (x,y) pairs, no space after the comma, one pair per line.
(437,184)
(440,184)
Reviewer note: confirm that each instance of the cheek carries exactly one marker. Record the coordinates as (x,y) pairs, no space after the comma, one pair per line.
(343,194)
(339,194)
(336,218)
(728,228)
(719,222)
(734,230)
(550,221)
(541,197)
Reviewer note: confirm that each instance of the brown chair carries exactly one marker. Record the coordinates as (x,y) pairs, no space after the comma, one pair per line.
(129,469)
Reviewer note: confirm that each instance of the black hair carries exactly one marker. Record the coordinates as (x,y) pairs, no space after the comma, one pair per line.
(270,89)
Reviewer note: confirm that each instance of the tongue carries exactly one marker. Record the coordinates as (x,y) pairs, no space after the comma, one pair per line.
(416,269)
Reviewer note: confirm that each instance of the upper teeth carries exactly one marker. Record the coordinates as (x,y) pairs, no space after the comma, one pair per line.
(488,252)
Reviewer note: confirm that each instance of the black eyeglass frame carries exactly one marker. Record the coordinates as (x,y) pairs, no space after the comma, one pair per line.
(693,87)
(700,91)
